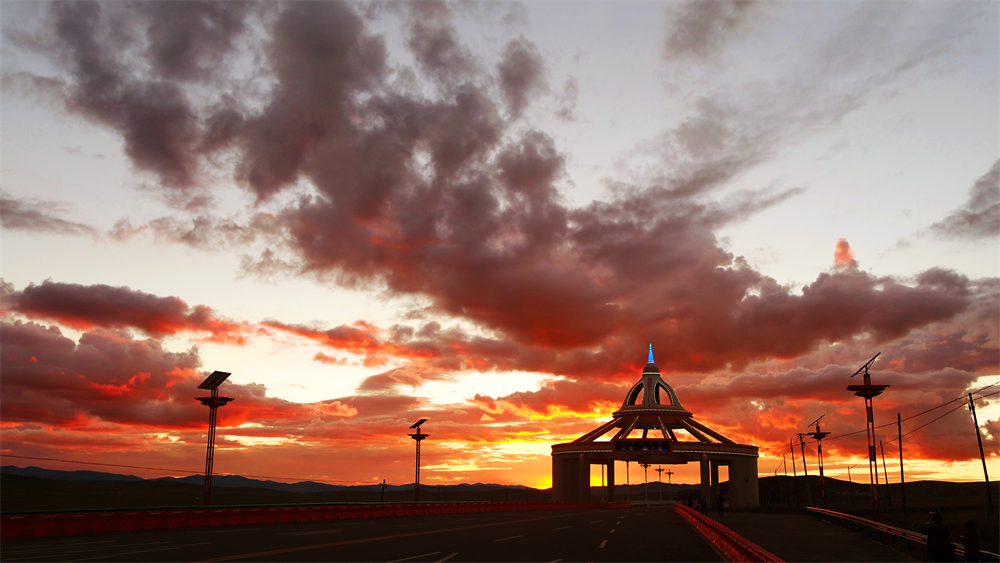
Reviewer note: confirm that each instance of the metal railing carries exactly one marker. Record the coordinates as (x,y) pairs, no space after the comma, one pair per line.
(898,538)
(732,545)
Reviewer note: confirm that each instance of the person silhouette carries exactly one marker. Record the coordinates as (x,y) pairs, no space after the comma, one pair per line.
(939,546)
(970,541)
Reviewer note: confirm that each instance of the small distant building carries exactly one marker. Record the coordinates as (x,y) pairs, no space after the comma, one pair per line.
(647,429)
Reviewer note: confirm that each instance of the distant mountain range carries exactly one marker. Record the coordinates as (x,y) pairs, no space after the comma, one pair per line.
(231,481)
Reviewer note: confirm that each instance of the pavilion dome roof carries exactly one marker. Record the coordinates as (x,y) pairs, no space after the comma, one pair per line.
(656,394)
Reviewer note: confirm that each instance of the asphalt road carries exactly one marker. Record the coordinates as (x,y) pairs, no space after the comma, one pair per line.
(636,534)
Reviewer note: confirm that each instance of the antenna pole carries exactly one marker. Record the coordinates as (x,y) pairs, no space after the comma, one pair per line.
(805,470)
(788,494)
(795,475)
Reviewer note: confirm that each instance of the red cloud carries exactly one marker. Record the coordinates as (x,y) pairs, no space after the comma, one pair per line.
(84,307)
(843,256)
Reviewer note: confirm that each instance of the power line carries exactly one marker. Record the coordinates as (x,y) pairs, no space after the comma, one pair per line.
(959,407)
(175,470)
(961,398)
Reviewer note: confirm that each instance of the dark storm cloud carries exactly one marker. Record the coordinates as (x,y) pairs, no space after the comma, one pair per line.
(979,217)
(88,306)
(38,216)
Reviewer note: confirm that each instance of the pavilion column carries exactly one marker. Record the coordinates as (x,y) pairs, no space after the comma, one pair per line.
(715,483)
(584,478)
(706,482)
(558,478)
(611,481)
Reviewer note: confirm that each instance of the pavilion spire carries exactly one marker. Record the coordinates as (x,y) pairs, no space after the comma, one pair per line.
(651,354)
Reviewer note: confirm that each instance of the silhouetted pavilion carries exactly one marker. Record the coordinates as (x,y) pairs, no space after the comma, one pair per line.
(649,430)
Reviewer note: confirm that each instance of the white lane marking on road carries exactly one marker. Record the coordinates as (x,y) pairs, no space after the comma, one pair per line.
(510,538)
(144,551)
(230,531)
(562,528)
(414,557)
(443,559)
(308,533)
(18,555)
(35,549)
(603,543)
(612,530)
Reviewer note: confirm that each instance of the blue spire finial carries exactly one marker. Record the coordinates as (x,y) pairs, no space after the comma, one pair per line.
(651,353)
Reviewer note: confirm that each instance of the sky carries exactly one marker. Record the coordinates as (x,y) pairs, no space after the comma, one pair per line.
(482,214)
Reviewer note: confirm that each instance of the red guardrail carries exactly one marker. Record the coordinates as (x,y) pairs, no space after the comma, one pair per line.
(735,547)
(38,525)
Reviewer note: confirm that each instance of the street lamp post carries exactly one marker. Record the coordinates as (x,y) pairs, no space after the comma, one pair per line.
(418,437)
(213,403)
(868,392)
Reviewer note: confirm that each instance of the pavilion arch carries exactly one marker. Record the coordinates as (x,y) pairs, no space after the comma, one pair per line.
(661,418)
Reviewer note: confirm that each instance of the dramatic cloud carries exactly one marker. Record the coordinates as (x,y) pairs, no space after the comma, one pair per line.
(85,307)
(979,218)
(37,216)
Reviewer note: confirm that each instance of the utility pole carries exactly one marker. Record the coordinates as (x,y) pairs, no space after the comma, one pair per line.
(850,484)
(788,495)
(795,476)
(885,473)
(805,470)
(982,456)
(902,480)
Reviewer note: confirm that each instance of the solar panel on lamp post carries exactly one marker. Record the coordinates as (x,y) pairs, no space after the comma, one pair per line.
(418,437)
(213,403)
